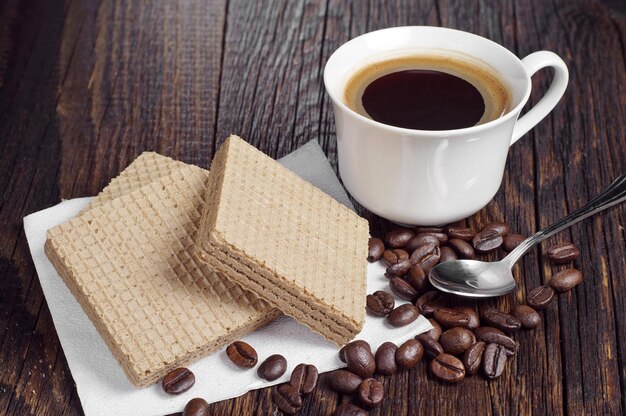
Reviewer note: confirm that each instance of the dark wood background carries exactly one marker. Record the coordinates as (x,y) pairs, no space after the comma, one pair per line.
(86,86)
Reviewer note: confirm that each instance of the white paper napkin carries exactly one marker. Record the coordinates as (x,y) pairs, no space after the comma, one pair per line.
(100,381)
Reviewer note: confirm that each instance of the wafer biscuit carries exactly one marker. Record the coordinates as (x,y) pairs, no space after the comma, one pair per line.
(130,264)
(285,240)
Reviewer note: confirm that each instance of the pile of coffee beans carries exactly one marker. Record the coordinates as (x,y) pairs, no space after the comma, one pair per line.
(462,342)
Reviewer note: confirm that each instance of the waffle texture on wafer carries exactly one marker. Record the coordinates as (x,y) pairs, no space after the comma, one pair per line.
(146,168)
(130,263)
(285,240)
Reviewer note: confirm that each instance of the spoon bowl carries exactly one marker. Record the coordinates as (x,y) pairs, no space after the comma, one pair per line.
(473,278)
(478,279)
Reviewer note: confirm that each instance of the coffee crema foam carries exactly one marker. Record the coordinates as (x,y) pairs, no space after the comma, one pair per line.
(494,91)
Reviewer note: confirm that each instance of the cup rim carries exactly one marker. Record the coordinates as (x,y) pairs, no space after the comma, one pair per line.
(514,112)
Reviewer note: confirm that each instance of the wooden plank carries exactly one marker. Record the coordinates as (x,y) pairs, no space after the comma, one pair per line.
(28,159)
(570,170)
(271,75)
(143,76)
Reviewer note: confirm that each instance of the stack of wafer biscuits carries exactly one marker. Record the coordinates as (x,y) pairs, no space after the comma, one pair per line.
(171,262)
(128,259)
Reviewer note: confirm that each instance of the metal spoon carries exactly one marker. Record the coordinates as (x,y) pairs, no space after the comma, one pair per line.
(479,279)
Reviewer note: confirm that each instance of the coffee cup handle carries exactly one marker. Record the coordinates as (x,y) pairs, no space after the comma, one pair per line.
(533,63)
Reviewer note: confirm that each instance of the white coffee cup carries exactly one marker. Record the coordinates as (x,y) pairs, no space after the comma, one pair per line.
(432,177)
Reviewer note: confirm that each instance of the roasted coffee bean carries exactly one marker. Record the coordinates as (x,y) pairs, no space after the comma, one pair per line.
(447,254)
(432,348)
(417,278)
(480,331)
(386,359)
(287,398)
(359,359)
(540,297)
(178,381)
(402,289)
(399,237)
(563,253)
(435,230)
(403,315)
(409,354)
(511,241)
(566,280)
(304,378)
(440,235)
(456,340)
(426,256)
(462,248)
(461,233)
(448,368)
(501,228)
(449,318)
(500,339)
(399,269)
(242,354)
(196,407)
(474,319)
(472,357)
(434,333)
(363,344)
(528,316)
(420,240)
(487,240)
(371,392)
(273,367)
(394,256)
(380,303)
(494,360)
(501,320)
(375,249)
(348,409)
(430,301)
(343,381)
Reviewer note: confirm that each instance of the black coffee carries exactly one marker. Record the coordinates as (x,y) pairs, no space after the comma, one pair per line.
(427,93)
(424,100)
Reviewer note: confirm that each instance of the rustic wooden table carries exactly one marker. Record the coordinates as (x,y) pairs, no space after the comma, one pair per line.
(86,86)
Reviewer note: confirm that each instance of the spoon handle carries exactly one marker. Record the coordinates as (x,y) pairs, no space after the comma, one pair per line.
(613,194)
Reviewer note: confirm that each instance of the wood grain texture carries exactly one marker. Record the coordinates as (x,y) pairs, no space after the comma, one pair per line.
(87,86)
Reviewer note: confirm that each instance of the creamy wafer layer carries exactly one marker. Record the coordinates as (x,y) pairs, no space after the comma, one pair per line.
(282,238)
(130,263)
